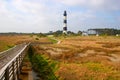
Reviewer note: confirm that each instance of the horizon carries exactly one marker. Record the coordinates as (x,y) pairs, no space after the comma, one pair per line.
(49,31)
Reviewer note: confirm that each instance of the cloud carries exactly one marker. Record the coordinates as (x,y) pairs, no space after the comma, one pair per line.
(47,15)
(93,4)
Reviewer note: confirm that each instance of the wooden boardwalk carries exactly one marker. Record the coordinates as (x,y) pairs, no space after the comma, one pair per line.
(10,62)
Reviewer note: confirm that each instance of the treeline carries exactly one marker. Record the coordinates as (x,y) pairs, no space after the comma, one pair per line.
(102,31)
(12,33)
(15,33)
(60,33)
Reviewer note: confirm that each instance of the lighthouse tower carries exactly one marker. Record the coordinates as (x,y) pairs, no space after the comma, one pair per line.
(65,22)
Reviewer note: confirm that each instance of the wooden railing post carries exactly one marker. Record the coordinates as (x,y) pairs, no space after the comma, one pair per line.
(13,69)
(17,63)
(19,58)
(7,73)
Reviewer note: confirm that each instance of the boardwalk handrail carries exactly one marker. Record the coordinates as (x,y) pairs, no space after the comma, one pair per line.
(14,63)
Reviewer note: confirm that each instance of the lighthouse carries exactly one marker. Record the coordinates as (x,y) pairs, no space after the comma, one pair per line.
(65,22)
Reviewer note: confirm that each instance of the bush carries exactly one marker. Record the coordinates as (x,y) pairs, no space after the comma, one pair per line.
(36,38)
(42,65)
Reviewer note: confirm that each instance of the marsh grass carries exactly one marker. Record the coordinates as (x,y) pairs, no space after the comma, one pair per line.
(95,65)
(86,71)
(53,40)
(9,41)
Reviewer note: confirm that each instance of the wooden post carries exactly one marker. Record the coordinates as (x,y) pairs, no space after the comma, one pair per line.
(13,69)
(20,63)
(7,73)
(17,63)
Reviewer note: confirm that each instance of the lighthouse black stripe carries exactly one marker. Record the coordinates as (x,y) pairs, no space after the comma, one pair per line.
(65,28)
(65,14)
(65,21)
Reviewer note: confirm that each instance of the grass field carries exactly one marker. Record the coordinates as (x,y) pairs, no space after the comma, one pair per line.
(9,41)
(78,58)
(85,58)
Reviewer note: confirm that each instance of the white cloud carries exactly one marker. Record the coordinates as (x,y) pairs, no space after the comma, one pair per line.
(27,7)
(45,15)
(93,4)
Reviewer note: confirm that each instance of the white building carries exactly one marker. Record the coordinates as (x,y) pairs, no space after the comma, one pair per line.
(92,32)
(84,33)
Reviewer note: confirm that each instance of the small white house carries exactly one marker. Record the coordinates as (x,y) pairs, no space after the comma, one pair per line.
(84,33)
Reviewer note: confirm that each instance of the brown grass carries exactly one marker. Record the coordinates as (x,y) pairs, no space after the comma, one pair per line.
(80,58)
(85,58)
(86,71)
(9,41)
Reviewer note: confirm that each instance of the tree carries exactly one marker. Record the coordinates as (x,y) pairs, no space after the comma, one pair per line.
(79,33)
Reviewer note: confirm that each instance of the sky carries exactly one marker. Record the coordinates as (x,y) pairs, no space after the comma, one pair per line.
(47,15)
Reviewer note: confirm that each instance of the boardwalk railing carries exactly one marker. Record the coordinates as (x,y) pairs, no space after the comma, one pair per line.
(12,59)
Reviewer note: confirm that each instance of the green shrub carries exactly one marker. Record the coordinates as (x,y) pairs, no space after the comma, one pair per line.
(36,38)
(45,67)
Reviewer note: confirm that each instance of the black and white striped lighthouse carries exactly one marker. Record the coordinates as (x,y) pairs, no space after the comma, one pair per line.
(65,22)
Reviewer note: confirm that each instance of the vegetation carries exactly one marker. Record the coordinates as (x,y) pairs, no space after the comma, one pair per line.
(101,32)
(53,40)
(78,61)
(8,41)
(58,33)
(42,65)
(75,58)
(37,38)
(86,71)
(5,46)
(41,35)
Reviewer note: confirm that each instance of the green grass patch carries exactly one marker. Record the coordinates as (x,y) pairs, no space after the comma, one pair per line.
(98,67)
(53,40)
(5,46)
